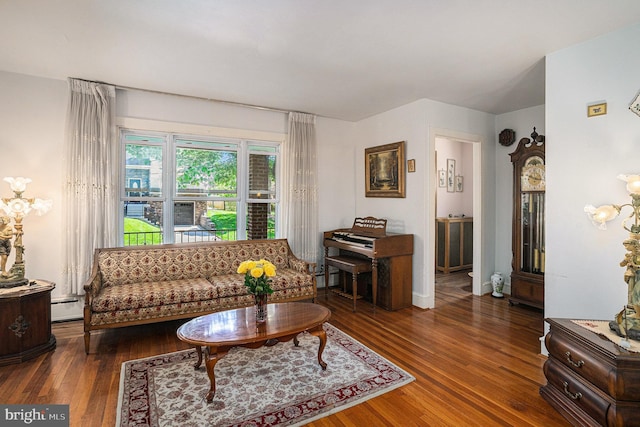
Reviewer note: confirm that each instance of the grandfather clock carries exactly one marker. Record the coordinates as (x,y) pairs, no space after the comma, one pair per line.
(527,265)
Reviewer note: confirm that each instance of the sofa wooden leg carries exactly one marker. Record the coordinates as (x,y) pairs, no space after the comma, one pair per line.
(87,338)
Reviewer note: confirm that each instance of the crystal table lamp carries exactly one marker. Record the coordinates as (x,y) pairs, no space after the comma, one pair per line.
(16,208)
(627,321)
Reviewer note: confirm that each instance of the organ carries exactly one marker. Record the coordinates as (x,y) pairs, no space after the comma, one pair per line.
(367,246)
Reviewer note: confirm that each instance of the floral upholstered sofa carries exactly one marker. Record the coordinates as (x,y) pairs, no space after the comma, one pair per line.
(144,284)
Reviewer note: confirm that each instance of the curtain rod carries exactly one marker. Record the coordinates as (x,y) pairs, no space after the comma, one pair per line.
(220,101)
(237,104)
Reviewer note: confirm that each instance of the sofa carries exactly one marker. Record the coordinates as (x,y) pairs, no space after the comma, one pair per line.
(137,285)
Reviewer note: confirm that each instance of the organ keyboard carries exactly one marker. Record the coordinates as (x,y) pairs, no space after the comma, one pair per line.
(390,255)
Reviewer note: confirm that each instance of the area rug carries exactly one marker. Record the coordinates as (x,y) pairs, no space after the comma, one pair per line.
(282,385)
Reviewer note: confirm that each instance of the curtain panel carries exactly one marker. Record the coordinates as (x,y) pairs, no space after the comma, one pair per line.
(301,187)
(91,185)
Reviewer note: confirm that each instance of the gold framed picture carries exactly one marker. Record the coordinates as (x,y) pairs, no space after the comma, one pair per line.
(411,165)
(384,170)
(597,109)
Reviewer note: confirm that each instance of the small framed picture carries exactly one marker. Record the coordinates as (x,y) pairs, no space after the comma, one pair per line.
(635,105)
(411,165)
(442,178)
(597,109)
(459,183)
(451,174)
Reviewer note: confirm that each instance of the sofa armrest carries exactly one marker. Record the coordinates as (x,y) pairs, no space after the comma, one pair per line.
(93,285)
(302,266)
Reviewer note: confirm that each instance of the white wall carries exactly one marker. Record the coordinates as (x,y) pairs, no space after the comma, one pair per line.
(417,123)
(522,122)
(336,185)
(32,121)
(187,110)
(456,203)
(584,156)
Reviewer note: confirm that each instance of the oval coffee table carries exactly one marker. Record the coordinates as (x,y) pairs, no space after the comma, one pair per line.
(219,332)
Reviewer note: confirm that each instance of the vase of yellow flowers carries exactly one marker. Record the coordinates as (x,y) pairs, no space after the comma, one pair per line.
(257,279)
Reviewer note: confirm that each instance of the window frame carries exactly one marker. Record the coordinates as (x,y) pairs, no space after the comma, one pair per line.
(171,141)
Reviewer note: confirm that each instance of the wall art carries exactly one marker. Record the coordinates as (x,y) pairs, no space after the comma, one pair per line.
(384,170)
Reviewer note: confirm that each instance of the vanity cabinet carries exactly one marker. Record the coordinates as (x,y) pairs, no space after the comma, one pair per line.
(590,380)
(454,243)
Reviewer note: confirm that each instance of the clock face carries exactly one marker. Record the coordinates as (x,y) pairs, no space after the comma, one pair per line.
(532,178)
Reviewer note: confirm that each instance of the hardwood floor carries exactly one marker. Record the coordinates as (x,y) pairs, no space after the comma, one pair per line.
(475,360)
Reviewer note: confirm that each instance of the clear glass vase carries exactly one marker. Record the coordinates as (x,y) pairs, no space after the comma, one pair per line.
(261,307)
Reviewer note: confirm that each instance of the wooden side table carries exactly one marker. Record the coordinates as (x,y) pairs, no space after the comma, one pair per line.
(25,322)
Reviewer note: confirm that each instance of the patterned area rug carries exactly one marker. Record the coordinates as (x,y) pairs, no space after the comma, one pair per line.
(282,385)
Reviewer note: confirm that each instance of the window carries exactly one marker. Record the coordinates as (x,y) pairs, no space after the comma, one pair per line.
(178,189)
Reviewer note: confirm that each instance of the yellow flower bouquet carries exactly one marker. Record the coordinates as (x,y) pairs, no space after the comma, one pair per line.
(257,276)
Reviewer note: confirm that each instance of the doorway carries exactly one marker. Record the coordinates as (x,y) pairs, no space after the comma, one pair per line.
(456,197)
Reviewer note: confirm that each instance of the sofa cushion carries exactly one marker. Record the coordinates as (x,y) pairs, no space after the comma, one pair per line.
(151,294)
(287,278)
(136,265)
(229,285)
(225,259)
(182,310)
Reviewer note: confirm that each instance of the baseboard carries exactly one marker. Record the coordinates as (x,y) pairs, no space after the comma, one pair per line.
(71,310)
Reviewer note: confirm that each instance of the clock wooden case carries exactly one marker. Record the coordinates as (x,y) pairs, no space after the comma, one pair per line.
(528,240)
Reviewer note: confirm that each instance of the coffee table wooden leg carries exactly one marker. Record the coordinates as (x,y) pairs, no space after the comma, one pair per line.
(322,335)
(213,355)
(199,362)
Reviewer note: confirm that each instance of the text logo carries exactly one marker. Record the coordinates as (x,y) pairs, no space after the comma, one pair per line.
(34,415)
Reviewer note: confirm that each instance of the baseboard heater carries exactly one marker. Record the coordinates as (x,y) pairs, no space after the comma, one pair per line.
(64,300)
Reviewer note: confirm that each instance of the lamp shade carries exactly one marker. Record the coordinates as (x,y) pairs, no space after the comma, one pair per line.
(41,206)
(18,208)
(602,214)
(633,183)
(18,184)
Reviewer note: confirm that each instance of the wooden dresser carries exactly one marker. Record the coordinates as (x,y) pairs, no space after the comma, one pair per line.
(590,380)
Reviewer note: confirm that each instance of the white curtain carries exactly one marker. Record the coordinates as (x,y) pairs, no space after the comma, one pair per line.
(90,187)
(300,185)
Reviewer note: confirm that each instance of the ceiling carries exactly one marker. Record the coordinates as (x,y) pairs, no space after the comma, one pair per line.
(346,59)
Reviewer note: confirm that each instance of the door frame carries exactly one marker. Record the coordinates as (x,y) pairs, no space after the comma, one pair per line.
(430,252)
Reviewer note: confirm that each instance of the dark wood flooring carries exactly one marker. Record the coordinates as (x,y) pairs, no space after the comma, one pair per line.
(476,361)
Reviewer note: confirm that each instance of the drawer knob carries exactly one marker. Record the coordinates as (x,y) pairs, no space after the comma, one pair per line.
(577,364)
(574,396)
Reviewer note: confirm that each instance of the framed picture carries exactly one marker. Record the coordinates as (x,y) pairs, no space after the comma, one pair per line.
(411,165)
(451,175)
(597,109)
(442,178)
(384,170)
(459,183)
(635,105)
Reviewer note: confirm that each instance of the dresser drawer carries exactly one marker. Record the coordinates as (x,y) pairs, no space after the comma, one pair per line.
(620,382)
(578,392)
